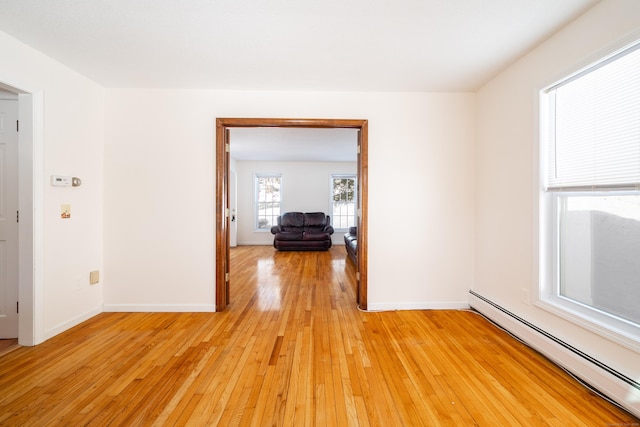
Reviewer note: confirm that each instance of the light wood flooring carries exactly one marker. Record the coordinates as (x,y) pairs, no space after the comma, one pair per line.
(8,345)
(292,349)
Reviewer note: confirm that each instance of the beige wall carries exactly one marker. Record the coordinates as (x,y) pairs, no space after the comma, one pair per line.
(507,180)
(70,135)
(305,189)
(159,191)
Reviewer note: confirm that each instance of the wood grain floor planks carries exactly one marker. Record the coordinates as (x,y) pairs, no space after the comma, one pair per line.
(292,349)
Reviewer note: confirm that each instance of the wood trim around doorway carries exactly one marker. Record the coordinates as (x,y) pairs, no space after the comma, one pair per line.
(223,125)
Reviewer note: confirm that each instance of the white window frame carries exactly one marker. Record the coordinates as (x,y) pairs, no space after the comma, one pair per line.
(256,202)
(548,297)
(355,198)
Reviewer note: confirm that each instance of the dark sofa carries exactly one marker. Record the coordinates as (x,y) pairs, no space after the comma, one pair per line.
(351,244)
(298,231)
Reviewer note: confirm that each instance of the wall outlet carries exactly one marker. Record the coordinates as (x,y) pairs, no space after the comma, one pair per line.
(526,297)
(94,277)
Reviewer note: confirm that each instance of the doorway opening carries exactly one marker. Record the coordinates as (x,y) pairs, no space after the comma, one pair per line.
(223,214)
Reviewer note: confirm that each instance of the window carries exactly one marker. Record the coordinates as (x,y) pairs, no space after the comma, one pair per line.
(590,210)
(268,200)
(343,201)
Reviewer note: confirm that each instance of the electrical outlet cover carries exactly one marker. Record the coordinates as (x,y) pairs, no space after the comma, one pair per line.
(94,277)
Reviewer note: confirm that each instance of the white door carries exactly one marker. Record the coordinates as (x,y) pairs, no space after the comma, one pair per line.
(8,219)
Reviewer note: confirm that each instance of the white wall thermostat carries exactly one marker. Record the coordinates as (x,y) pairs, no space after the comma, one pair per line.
(60,181)
(65,181)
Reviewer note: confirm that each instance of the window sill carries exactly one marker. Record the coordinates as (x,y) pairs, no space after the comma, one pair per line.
(620,331)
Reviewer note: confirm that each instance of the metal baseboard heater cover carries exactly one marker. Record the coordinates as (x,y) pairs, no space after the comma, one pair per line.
(632,385)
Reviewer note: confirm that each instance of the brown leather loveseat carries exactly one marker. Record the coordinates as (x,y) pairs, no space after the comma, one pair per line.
(298,231)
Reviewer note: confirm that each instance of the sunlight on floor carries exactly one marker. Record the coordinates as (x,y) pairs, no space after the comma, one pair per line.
(269,290)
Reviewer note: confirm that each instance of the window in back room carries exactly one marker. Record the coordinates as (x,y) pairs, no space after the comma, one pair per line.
(343,201)
(268,199)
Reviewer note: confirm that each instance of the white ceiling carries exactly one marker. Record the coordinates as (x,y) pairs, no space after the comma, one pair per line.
(340,45)
(293,144)
(337,45)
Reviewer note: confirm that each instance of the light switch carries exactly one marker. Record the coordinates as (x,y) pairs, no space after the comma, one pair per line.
(65,211)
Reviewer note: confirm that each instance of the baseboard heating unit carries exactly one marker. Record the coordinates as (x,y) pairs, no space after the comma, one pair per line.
(613,385)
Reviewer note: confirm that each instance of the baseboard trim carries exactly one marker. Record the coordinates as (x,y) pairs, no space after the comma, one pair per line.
(159,308)
(62,327)
(445,305)
(620,388)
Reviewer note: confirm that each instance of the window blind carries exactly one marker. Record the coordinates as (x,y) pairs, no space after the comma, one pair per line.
(594,130)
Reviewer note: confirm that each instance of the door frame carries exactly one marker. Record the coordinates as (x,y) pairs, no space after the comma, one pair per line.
(30,206)
(223,126)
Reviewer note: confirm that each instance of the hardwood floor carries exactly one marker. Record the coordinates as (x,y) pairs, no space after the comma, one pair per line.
(8,345)
(292,349)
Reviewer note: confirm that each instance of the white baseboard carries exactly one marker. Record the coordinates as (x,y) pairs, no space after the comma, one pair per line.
(159,308)
(623,390)
(71,323)
(445,305)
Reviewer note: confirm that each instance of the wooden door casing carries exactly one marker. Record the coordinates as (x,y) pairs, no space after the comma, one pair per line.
(223,141)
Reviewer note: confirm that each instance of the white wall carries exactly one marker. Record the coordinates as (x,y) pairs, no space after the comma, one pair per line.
(305,188)
(72,131)
(160,186)
(507,173)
